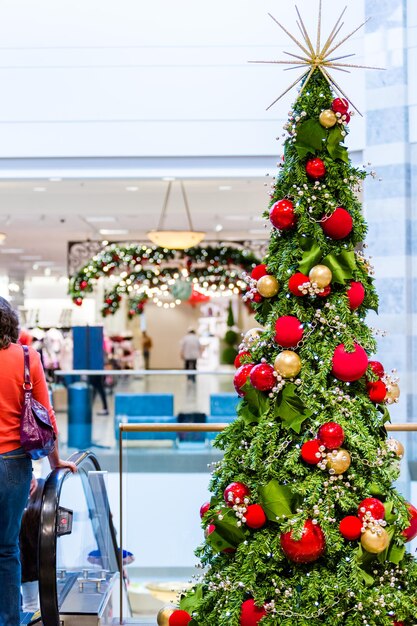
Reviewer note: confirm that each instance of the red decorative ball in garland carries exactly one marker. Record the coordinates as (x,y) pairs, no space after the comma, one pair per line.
(356,295)
(376,391)
(257,297)
(241,377)
(347,118)
(262,377)
(326,291)
(255,516)
(340,105)
(251,614)
(288,331)
(310,451)
(411,532)
(338,225)
(398,624)
(83,284)
(372,506)
(179,618)
(235,493)
(350,527)
(204,508)
(377,368)
(210,529)
(315,168)
(259,271)
(331,435)
(309,548)
(77,301)
(240,356)
(295,282)
(349,366)
(282,214)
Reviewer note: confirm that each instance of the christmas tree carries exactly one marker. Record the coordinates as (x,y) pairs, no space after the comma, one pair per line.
(304,526)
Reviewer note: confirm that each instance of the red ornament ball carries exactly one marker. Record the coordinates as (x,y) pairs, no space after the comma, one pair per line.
(235,493)
(307,549)
(372,506)
(349,366)
(295,282)
(315,168)
(240,356)
(179,618)
(83,284)
(377,368)
(255,516)
(204,508)
(347,118)
(257,297)
(376,391)
(282,214)
(251,614)
(77,301)
(326,291)
(356,295)
(288,331)
(210,529)
(338,225)
(262,377)
(340,105)
(109,301)
(241,377)
(259,271)
(331,435)
(310,452)
(350,527)
(411,532)
(398,624)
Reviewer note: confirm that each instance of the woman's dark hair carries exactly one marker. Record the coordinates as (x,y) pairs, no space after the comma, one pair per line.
(9,324)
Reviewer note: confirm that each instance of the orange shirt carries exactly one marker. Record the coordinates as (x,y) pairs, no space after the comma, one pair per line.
(11,393)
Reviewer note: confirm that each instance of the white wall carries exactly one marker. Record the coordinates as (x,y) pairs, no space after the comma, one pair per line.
(160,78)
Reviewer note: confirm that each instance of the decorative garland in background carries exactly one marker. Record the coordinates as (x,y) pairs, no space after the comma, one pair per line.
(167,277)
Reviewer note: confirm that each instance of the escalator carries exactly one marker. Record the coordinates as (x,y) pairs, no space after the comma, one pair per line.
(79,573)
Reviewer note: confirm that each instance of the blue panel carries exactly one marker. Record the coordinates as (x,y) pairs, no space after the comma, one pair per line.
(386,126)
(88,347)
(222,404)
(136,419)
(143,404)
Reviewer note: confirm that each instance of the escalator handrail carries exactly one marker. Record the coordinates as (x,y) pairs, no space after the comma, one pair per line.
(48,591)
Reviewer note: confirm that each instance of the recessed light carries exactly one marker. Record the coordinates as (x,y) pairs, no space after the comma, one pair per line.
(225,187)
(132,188)
(47,271)
(114,231)
(100,218)
(11,250)
(39,189)
(35,266)
(218,228)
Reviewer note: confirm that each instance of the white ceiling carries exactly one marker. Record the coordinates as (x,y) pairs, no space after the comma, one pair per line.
(40,217)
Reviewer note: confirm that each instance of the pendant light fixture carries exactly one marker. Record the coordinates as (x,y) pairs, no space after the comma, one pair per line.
(175,239)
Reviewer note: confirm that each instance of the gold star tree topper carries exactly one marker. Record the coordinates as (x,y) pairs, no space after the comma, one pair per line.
(318,57)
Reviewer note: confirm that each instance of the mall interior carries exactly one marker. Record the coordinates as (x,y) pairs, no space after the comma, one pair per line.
(121,122)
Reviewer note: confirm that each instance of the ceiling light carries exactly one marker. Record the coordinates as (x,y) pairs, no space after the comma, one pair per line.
(35,266)
(39,189)
(175,239)
(11,250)
(47,271)
(113,231)
(100,218)
(132,188)
(225,187)
(2,237)
(218,228)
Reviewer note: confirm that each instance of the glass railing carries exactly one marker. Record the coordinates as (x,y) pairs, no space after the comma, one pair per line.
(79,569)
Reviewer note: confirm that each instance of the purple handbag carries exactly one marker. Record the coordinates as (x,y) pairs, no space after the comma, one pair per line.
(37,435)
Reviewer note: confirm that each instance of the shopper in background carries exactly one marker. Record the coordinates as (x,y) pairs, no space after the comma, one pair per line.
(190,351)
(15,466)
(146,348)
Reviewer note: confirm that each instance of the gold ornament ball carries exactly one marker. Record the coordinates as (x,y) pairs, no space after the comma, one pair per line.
(252,335)
(268,286)
(396,447)
(393,392)
(375,542)
(339,461)
(287,363)
(321,275)
(164,615)
(327,118)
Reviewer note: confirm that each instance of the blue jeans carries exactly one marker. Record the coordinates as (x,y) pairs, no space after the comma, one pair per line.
(15,476)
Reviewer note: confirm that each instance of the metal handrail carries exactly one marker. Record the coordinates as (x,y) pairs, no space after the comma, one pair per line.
(148,427)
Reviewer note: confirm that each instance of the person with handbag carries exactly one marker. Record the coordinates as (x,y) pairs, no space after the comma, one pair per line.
(20,402)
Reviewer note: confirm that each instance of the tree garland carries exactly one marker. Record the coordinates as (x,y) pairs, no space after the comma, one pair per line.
(144,271)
